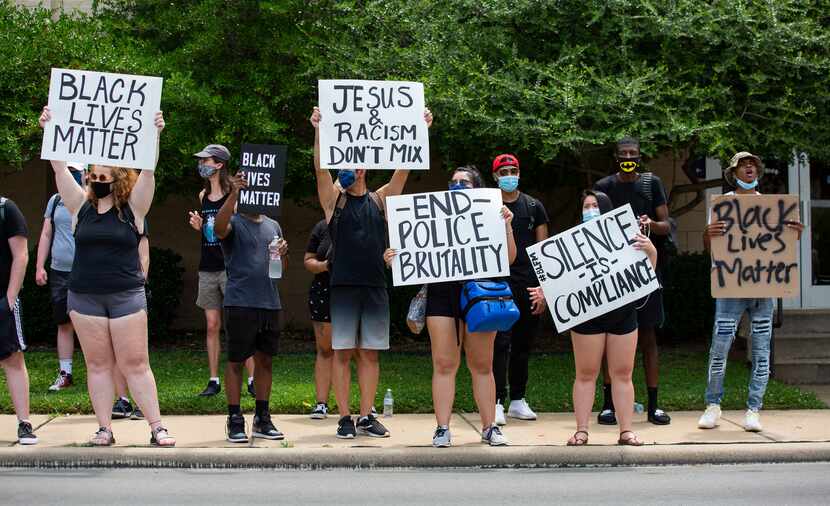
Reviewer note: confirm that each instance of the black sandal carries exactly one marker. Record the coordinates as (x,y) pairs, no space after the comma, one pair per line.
(578,441)
(629,441)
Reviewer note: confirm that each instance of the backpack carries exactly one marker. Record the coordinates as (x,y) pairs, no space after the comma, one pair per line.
(665,244)
(529,208)
(339,205)
(3,211)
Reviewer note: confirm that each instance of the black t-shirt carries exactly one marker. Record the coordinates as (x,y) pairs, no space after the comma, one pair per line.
(528,214)
(212,259)
(622,193)
(359,244)
(12,224)
(319,244)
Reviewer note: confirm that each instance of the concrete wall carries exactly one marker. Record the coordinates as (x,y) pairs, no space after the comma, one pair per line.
(66,5)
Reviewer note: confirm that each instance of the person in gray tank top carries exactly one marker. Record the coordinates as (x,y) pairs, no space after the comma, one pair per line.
(251,309)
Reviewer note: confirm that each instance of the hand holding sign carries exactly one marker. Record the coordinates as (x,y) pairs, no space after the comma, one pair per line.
(264,167)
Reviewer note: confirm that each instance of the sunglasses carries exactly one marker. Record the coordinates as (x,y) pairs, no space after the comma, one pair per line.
(99,178)
(462,182)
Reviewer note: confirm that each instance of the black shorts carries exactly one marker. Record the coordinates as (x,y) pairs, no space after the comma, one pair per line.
(59,286)
(248,330)
(319,302)
(650,309)
(444,299)
(11,330)
(619,322)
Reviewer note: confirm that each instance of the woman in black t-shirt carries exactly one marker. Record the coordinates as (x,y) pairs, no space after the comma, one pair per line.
(106,299)
(316,262)
(613,334)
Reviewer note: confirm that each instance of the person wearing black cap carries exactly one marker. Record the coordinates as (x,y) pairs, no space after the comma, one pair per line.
(512,348)
(359,298)
(213,169)
(645,192)
(613,334)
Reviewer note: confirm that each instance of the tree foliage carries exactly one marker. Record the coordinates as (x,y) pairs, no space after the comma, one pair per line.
(553,81)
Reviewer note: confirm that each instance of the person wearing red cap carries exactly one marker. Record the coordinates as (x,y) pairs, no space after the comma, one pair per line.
(512,348)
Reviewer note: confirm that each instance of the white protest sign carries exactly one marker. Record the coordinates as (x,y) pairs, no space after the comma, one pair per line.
(101,118)
(372,125)
(447,236)
(592,268)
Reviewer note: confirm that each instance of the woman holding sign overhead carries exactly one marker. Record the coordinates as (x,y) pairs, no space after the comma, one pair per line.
(106,298)
(613,334)
(448,332)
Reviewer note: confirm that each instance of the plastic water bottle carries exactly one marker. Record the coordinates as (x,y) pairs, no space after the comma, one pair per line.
(274,260)
(638,408)
(388,403)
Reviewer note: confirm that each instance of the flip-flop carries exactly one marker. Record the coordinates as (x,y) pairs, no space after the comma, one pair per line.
(629,441)
(578,441)
(102,437)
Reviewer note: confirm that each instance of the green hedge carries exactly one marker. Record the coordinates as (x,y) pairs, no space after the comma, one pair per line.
(165,285)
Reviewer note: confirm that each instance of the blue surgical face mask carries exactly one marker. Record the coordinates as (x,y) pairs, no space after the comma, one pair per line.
(206,170)
(509,183)
(747,186)
(79,177)
(589,214)
(346,178)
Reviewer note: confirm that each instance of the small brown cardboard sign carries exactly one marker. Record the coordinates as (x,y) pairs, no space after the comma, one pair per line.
(757,257)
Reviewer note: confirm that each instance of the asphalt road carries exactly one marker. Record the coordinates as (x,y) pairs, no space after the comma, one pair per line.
(749,484)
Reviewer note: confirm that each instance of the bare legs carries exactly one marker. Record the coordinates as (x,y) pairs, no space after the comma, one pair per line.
(323,362)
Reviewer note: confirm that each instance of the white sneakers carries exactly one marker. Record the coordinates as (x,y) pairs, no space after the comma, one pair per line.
(752,421)
(710,417)
(519,409)
(500,414)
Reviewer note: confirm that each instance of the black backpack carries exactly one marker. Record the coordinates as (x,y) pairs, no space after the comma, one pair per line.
(339,205)
(665,244)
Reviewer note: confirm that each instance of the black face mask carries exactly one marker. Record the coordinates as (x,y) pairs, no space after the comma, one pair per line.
(101,190)
(629,165)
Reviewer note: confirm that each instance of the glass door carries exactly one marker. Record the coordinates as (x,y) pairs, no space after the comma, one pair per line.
(814,182)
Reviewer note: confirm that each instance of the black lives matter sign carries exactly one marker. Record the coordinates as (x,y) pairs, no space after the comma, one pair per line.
(102,118)
(264,167)
(372,125)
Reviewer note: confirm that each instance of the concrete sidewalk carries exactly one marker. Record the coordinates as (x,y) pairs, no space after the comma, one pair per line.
(788,436)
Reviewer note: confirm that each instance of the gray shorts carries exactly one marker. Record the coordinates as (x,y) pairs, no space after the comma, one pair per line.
(359,318)
(211,289)
(108,305)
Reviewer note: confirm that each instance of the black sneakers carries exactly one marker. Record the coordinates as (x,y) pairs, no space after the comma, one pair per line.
(607,417)
(212,388)
(659,417)
(137,414)
(25,434)
(236,429)
(345,428)
(122,409)
(251,390)
(370,426)
(263,428)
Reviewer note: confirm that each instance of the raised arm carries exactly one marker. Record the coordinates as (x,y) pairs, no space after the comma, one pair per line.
(222,224)
(141,198)
(398,181)
(73,196)
(326,190)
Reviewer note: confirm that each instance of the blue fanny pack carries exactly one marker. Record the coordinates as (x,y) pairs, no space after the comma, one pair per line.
(488,306)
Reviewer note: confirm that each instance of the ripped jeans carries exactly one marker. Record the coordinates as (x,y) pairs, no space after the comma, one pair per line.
(728,314)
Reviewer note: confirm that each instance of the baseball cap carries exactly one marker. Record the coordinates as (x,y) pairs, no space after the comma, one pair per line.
(217,151)
(504,161)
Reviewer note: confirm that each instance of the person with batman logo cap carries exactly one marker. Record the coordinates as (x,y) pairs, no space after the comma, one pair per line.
(647,196)
(359,302)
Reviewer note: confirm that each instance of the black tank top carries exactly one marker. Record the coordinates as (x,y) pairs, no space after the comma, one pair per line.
(106,252)
(212,259)
(360,241)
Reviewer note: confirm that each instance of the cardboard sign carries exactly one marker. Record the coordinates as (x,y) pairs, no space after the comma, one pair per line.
(101,118)
(264,167)
(592,268)
(447,236)
(372,125)
(758,255)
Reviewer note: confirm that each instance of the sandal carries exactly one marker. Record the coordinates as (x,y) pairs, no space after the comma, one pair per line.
(160,437)
(632,440)
(102,437)
(576,440)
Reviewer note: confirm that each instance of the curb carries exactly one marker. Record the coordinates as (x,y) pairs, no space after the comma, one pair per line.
(416,457)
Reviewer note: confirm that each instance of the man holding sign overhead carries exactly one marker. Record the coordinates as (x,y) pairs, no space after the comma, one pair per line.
(356,217)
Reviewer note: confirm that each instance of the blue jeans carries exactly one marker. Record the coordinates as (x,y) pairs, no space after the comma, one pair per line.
(728,314)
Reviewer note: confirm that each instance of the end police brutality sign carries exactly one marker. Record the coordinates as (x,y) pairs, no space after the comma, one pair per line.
(102,118)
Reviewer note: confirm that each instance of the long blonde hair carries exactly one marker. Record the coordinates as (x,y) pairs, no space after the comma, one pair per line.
(123,181)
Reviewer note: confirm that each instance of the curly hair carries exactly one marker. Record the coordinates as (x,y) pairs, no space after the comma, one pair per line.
(123,181)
